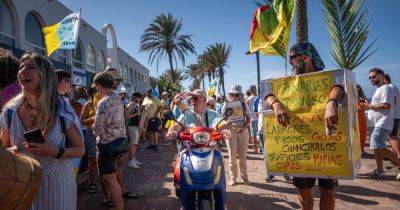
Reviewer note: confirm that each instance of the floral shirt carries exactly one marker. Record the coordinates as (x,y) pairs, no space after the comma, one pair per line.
(109,121)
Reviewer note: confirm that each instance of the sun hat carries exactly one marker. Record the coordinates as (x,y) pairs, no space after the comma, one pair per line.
(236,89)
(200,92)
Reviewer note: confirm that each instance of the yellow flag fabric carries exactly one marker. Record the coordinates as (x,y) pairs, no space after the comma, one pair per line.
(62,35)
(271,28)
(52,40)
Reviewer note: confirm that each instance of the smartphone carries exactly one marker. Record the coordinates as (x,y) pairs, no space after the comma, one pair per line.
(34,135)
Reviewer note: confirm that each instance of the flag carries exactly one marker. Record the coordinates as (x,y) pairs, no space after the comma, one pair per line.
(270,28)
(212,87)
(62,35)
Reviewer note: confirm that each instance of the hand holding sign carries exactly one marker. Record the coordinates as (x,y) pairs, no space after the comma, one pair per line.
(281,113)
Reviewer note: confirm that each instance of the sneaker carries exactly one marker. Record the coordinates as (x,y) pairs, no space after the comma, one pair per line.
(150,147)
(133,165)
(137,162)
(270,178)
(287,178)
(232,182)
(375,173)
(398,177)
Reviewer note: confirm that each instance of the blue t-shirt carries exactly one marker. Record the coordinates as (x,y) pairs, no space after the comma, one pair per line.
(255,104)
(188,118)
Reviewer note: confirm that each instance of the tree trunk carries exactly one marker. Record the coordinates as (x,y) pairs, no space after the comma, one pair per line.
(170,60)
(209,76)
(213,74)
(302,21)
(204,87)
(222,80)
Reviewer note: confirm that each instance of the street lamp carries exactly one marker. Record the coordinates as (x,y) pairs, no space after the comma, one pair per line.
(258,69)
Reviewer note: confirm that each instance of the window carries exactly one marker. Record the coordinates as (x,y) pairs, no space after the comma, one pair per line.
(60,56)
(131,76)
(101,63)
(126,73)
(78,56)
(135,77)
(7,25)
(33,34)
(120,69)
(90,65)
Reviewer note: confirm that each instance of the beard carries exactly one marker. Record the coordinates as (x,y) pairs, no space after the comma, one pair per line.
(299,68)
(376,82)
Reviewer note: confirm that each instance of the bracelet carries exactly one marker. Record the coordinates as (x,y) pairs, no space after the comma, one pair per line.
(271,105)
(60,153)
(332,99)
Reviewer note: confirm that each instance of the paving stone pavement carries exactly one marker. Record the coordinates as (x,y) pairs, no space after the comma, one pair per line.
(154,182)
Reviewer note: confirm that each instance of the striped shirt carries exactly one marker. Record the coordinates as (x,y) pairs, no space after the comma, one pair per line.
(58,186)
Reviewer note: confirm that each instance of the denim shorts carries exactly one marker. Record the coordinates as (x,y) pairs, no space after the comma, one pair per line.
(107,163)
(253,128)
(379,137)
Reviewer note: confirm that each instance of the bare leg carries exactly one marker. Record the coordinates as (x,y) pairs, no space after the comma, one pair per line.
(115,190)
(306,199)
(120,173)
(395,144)
(132,151)
(327,201)
(92,170)
(379,160)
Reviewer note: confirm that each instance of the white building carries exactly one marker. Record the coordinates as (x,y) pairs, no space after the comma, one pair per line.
(21,23)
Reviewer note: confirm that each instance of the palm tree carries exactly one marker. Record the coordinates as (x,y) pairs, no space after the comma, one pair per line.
(196,72)
(217,56)
(302,21)
(208,67)
(348,30)
(162,38)
(175,76)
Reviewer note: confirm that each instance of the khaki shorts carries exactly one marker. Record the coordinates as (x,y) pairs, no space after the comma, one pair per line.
(133,133)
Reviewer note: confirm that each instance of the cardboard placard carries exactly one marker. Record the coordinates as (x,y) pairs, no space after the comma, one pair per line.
(303,149)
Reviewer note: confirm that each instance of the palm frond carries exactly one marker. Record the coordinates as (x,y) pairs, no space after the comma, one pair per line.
(348,30)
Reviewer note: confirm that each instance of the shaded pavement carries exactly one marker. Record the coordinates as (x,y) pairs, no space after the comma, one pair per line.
(154,182)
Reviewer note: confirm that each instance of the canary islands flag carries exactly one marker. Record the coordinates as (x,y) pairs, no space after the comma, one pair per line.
(212,87)
(62,35)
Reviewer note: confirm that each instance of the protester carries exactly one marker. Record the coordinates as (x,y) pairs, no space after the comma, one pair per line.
(152,108)
(87,119)
(362,121)
(304,58)
(78,101)
(196,114)
(109,129)
(381,113)
(218,106)
(9,86)
(165,107)
(37,106)
(238,140)
(133,111)
(253,117)
(64,87)
(394,139)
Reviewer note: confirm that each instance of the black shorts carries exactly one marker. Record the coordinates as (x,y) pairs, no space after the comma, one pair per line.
(396,126)
(107,163)
(154,124)
(306,183)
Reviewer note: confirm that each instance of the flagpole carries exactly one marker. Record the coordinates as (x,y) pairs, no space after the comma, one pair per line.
(77,42)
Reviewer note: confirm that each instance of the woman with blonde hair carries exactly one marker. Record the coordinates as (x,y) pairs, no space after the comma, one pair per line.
(37,107)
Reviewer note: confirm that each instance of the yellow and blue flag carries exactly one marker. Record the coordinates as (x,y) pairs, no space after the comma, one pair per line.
(62,35)
(214,84)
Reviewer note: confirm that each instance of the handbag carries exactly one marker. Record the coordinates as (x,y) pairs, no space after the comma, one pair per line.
(116,147)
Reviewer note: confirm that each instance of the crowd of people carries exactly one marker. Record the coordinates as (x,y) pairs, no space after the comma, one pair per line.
(106,125)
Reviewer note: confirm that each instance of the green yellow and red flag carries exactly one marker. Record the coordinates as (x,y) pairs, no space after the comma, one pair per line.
(270,28)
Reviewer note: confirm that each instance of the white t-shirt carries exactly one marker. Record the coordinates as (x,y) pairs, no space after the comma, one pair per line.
(396,94)
(383,118)
(250,102)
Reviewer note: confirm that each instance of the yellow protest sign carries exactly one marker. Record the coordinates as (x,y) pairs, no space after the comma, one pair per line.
(303,148)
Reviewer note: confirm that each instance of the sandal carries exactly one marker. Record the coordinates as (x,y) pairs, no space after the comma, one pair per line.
(107,203)
(92,189)
(130,195)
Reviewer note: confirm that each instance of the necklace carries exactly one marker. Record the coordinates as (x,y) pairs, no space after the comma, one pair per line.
(33,113)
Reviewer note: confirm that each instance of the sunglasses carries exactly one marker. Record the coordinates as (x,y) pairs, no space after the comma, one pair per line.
(234,95)
(372,77)
(294,56)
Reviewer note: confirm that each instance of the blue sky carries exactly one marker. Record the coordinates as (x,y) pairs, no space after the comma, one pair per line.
(228,21)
